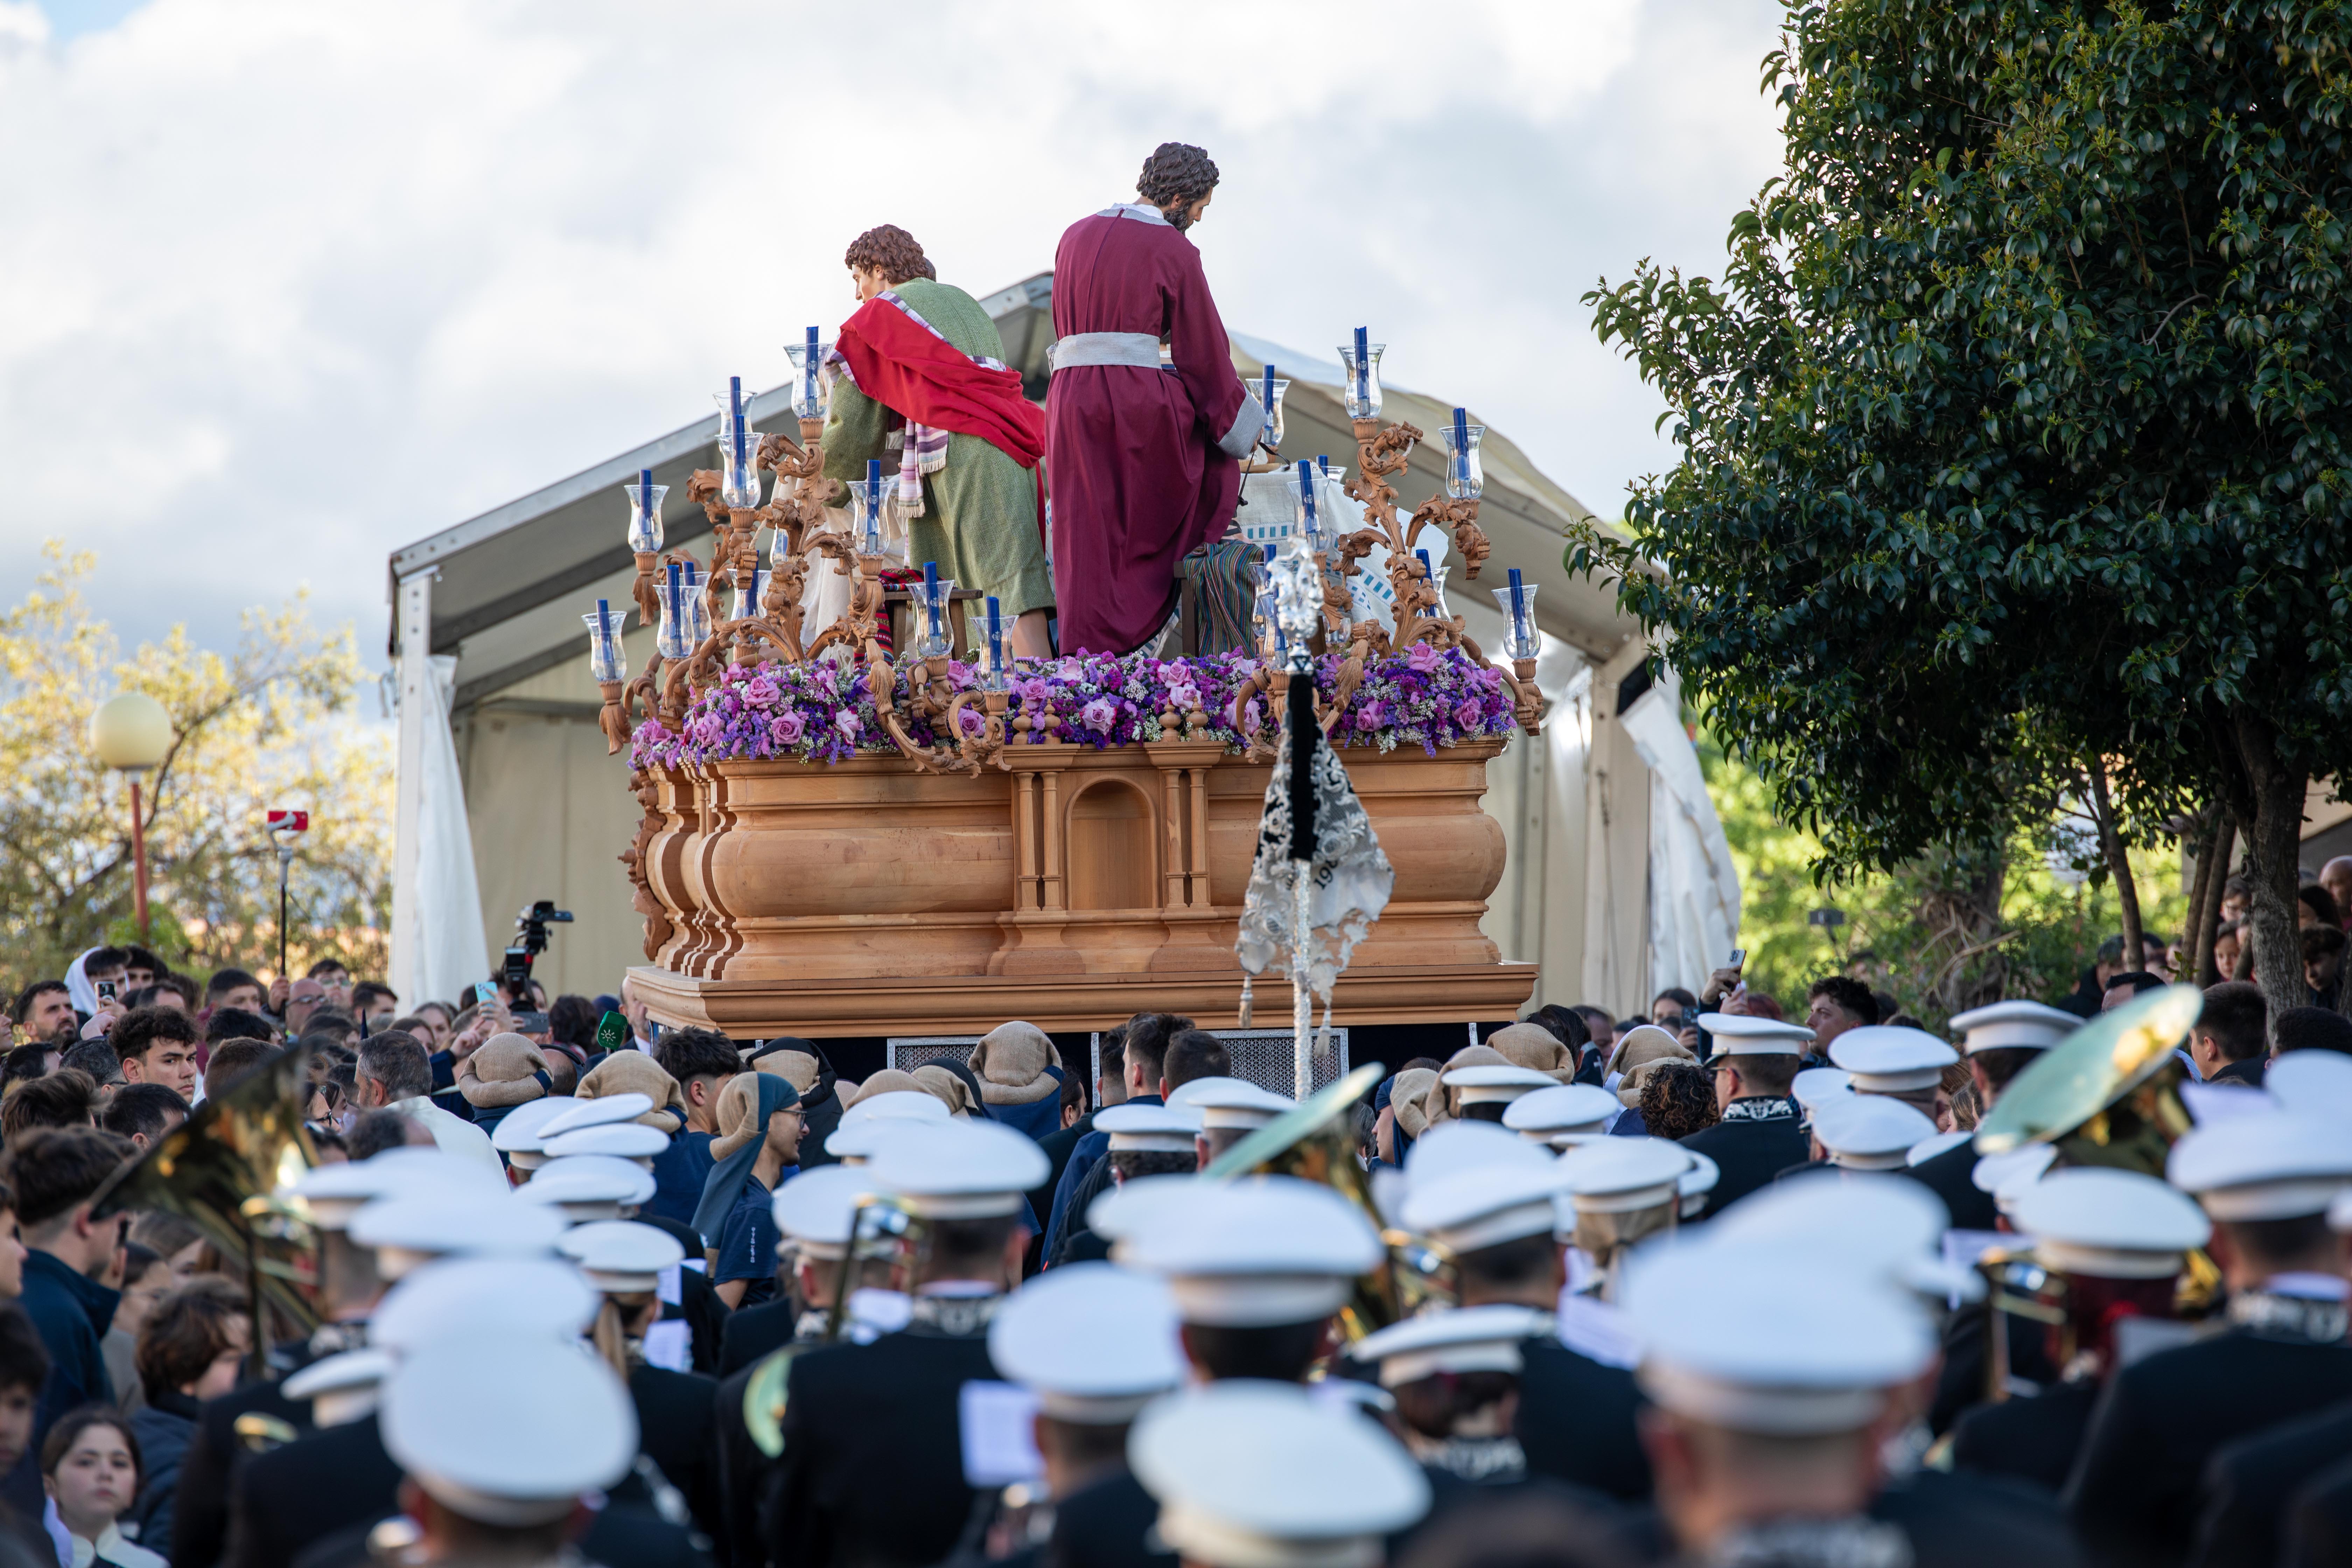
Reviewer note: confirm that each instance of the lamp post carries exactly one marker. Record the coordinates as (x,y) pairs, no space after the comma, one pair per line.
(130,732)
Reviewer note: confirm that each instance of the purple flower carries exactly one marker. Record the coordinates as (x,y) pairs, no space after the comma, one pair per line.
(787,728)
(1101,715)
(760,692)
(1465,714)
(972,721)
(845,720)
(1185,696)
(1370,716)
(1422,657)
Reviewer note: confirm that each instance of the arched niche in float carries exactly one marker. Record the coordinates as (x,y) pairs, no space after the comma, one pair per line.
(1113,844)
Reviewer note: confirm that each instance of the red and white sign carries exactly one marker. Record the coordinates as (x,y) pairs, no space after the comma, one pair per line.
(289,822)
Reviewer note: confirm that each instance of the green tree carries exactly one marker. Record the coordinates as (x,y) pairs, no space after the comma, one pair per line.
(2017,428)
(257,728)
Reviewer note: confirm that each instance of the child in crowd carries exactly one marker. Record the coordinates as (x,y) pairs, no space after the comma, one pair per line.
(189,1351)
(89,1466)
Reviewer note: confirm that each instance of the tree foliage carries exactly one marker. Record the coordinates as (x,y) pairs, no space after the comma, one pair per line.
(256,728)
(2016,430)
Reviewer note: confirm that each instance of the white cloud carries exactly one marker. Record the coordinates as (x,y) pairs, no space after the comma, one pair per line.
(293,284)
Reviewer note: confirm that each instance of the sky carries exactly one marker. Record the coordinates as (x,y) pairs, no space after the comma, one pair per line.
(290,285)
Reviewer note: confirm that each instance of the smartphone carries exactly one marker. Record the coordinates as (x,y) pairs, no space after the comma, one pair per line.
(1738,957)
(106,990)
(485,992)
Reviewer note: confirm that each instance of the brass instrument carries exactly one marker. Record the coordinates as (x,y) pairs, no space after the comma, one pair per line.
(2108,1094)
(220,1169)
(881,1230)
(1313,1142)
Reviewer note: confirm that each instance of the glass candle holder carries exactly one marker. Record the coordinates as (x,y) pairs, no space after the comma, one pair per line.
(645,512)
(1335,494)
(1517,603)
(936,599)
(1262,608)
(1304,483)
(1270,394)
(699,613)
(675,638)
(867,498)
(988,645)
(1436,570)
(739,449)
(749,588)
(1464,478)
(1362,362)
(808,385)
(606,658)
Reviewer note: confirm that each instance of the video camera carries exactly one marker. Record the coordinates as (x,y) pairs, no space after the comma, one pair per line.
(531,940)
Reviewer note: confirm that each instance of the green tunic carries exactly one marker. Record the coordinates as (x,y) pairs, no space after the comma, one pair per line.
(980,510)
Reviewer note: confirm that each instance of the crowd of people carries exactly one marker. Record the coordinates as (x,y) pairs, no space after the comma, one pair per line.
(1709,1284)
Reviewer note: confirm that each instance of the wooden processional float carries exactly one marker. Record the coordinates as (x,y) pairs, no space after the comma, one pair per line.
(849,832)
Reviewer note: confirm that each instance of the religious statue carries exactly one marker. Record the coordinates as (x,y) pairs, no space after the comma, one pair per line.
(1145,467)
(921,382)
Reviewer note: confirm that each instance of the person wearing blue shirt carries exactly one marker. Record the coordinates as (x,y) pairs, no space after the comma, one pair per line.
(1147,1035)
(55,1171)
(703,1061)
(757,1151)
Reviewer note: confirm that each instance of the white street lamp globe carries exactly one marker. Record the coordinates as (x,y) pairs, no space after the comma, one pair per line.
(131,730)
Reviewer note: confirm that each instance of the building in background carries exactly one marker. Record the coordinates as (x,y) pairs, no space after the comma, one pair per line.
(1618,880)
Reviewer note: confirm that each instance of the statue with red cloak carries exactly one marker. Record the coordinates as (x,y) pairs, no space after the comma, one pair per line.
(1145,420)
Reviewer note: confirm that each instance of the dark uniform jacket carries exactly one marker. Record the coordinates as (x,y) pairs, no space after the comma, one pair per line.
(2134,1494)
(743,1471)
(2251,1483)
(1949,1522)
(287,1498)
(1950,1176)
(2034,1439)
(753,1333)
(216,1455)
(872,1473)
(2319,1521)
(1964,1381)
(1106,1525)
(677,1429)
(1576,1421)
(620,1536)
(1759,1137)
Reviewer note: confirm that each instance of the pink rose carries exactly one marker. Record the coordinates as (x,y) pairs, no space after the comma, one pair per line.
(787,728)
(1101,714)
(709,730)
(760,692)
(1186,697)
(1422,657)
(845,720)
(971,721)
(1466,714)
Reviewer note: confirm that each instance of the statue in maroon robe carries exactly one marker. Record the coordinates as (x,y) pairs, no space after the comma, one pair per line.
(1144,457)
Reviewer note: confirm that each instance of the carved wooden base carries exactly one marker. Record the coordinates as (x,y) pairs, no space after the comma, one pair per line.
(1071,886)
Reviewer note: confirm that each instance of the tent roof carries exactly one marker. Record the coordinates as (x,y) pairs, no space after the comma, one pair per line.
(512,582)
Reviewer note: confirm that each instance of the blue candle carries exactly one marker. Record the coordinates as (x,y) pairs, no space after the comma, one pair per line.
(1363,367)
(931,593)
(1265,400)
(808,359)
(1462,446)
(604,620)
(873,506)
(645,493)
(735,413)
(1518,610)
(995,638)
(1427,569)
(1323,464)
(675,614)
(1307,492)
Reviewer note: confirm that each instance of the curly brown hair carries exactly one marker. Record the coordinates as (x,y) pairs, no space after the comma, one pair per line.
(1175,174)
(891,251)
(1678,1100)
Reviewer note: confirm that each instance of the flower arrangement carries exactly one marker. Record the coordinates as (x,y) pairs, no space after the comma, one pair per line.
(822,711)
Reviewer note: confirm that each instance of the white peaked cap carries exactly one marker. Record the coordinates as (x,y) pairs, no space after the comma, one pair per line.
(1564,1108)
(962,1169)
(1459,1338)
(1258,1251)
(1814,1085)
(1869,1131)
(406,1232)
(1126,1208)
(1452,1146)
(588,1187)
(1493,1082)
(517,1135)
(342,1387)
(1191,1091)
(335,1193)
(2313,1083)
(1887,1059)
(1928,1149)
(2266,1166)
(1095,1342)
(2006,1024)
(607,1111)
(623,1140)
(2118,1225)
(1227,1103)
(864,1140)
(1149,1129)
(815,1209)
(1619,1176)
(509,1429)
(548,1297)
(1739,1035)
(1261,1475)
(1886,1225)
(1485,1206)
(1991,1172)
(1757,1336)
(621,1256)
(897,1105)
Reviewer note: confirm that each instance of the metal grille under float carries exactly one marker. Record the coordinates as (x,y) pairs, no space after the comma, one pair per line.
(1264,1056)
